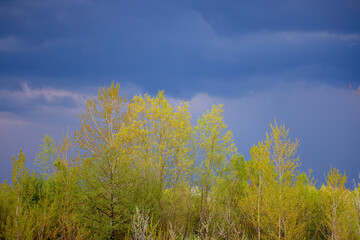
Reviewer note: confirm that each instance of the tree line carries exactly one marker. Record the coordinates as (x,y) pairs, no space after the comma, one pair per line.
(139,169)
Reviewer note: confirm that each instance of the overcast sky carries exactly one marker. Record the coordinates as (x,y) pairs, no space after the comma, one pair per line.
(290,60)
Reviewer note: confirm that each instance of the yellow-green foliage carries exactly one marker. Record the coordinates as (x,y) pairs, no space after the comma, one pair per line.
(140,169)
(338,209)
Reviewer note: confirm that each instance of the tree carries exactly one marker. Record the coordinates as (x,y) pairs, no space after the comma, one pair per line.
(337,208)
(356,197)
(275,197)
(163,136)
(111,178)
(214,149)
(44,159)
(66,181)
(109,186)
(158,141)
(104,176)
(286,203)
(102,120)
(19,222)
(261,175)
(45,207)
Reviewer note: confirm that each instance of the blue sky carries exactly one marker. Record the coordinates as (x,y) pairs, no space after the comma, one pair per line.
(290,60)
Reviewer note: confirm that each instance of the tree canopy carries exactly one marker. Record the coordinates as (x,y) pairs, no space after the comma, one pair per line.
(141,169)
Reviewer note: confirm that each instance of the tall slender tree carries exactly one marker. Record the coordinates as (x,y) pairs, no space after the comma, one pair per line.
(20,221)
(66,181)
(215,148)
(254,205)
(339,215)
(284,202)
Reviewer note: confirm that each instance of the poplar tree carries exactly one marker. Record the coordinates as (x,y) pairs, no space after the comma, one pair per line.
(254,205)
(102,119)
(20,219)
(66,181)
(164,134)
(356,197)
(276,193)
(214,148)
(339,214)
(45,158)
(46,207)
(287,199)
(158,140)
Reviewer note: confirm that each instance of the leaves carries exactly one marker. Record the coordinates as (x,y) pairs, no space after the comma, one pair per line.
(141,169)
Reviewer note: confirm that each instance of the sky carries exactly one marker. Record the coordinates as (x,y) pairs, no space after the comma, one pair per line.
(286,60)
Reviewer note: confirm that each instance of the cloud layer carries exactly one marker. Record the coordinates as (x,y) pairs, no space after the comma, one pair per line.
(291,60)
(184,47)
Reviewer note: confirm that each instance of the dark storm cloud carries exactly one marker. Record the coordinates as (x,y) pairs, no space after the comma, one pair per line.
(261,59)
(232,17)
(174,45)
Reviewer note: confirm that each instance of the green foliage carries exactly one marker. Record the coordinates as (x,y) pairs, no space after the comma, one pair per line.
(19,222)
(140,169)
(214,149)
(109,195)
(44,159)
(340,218)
